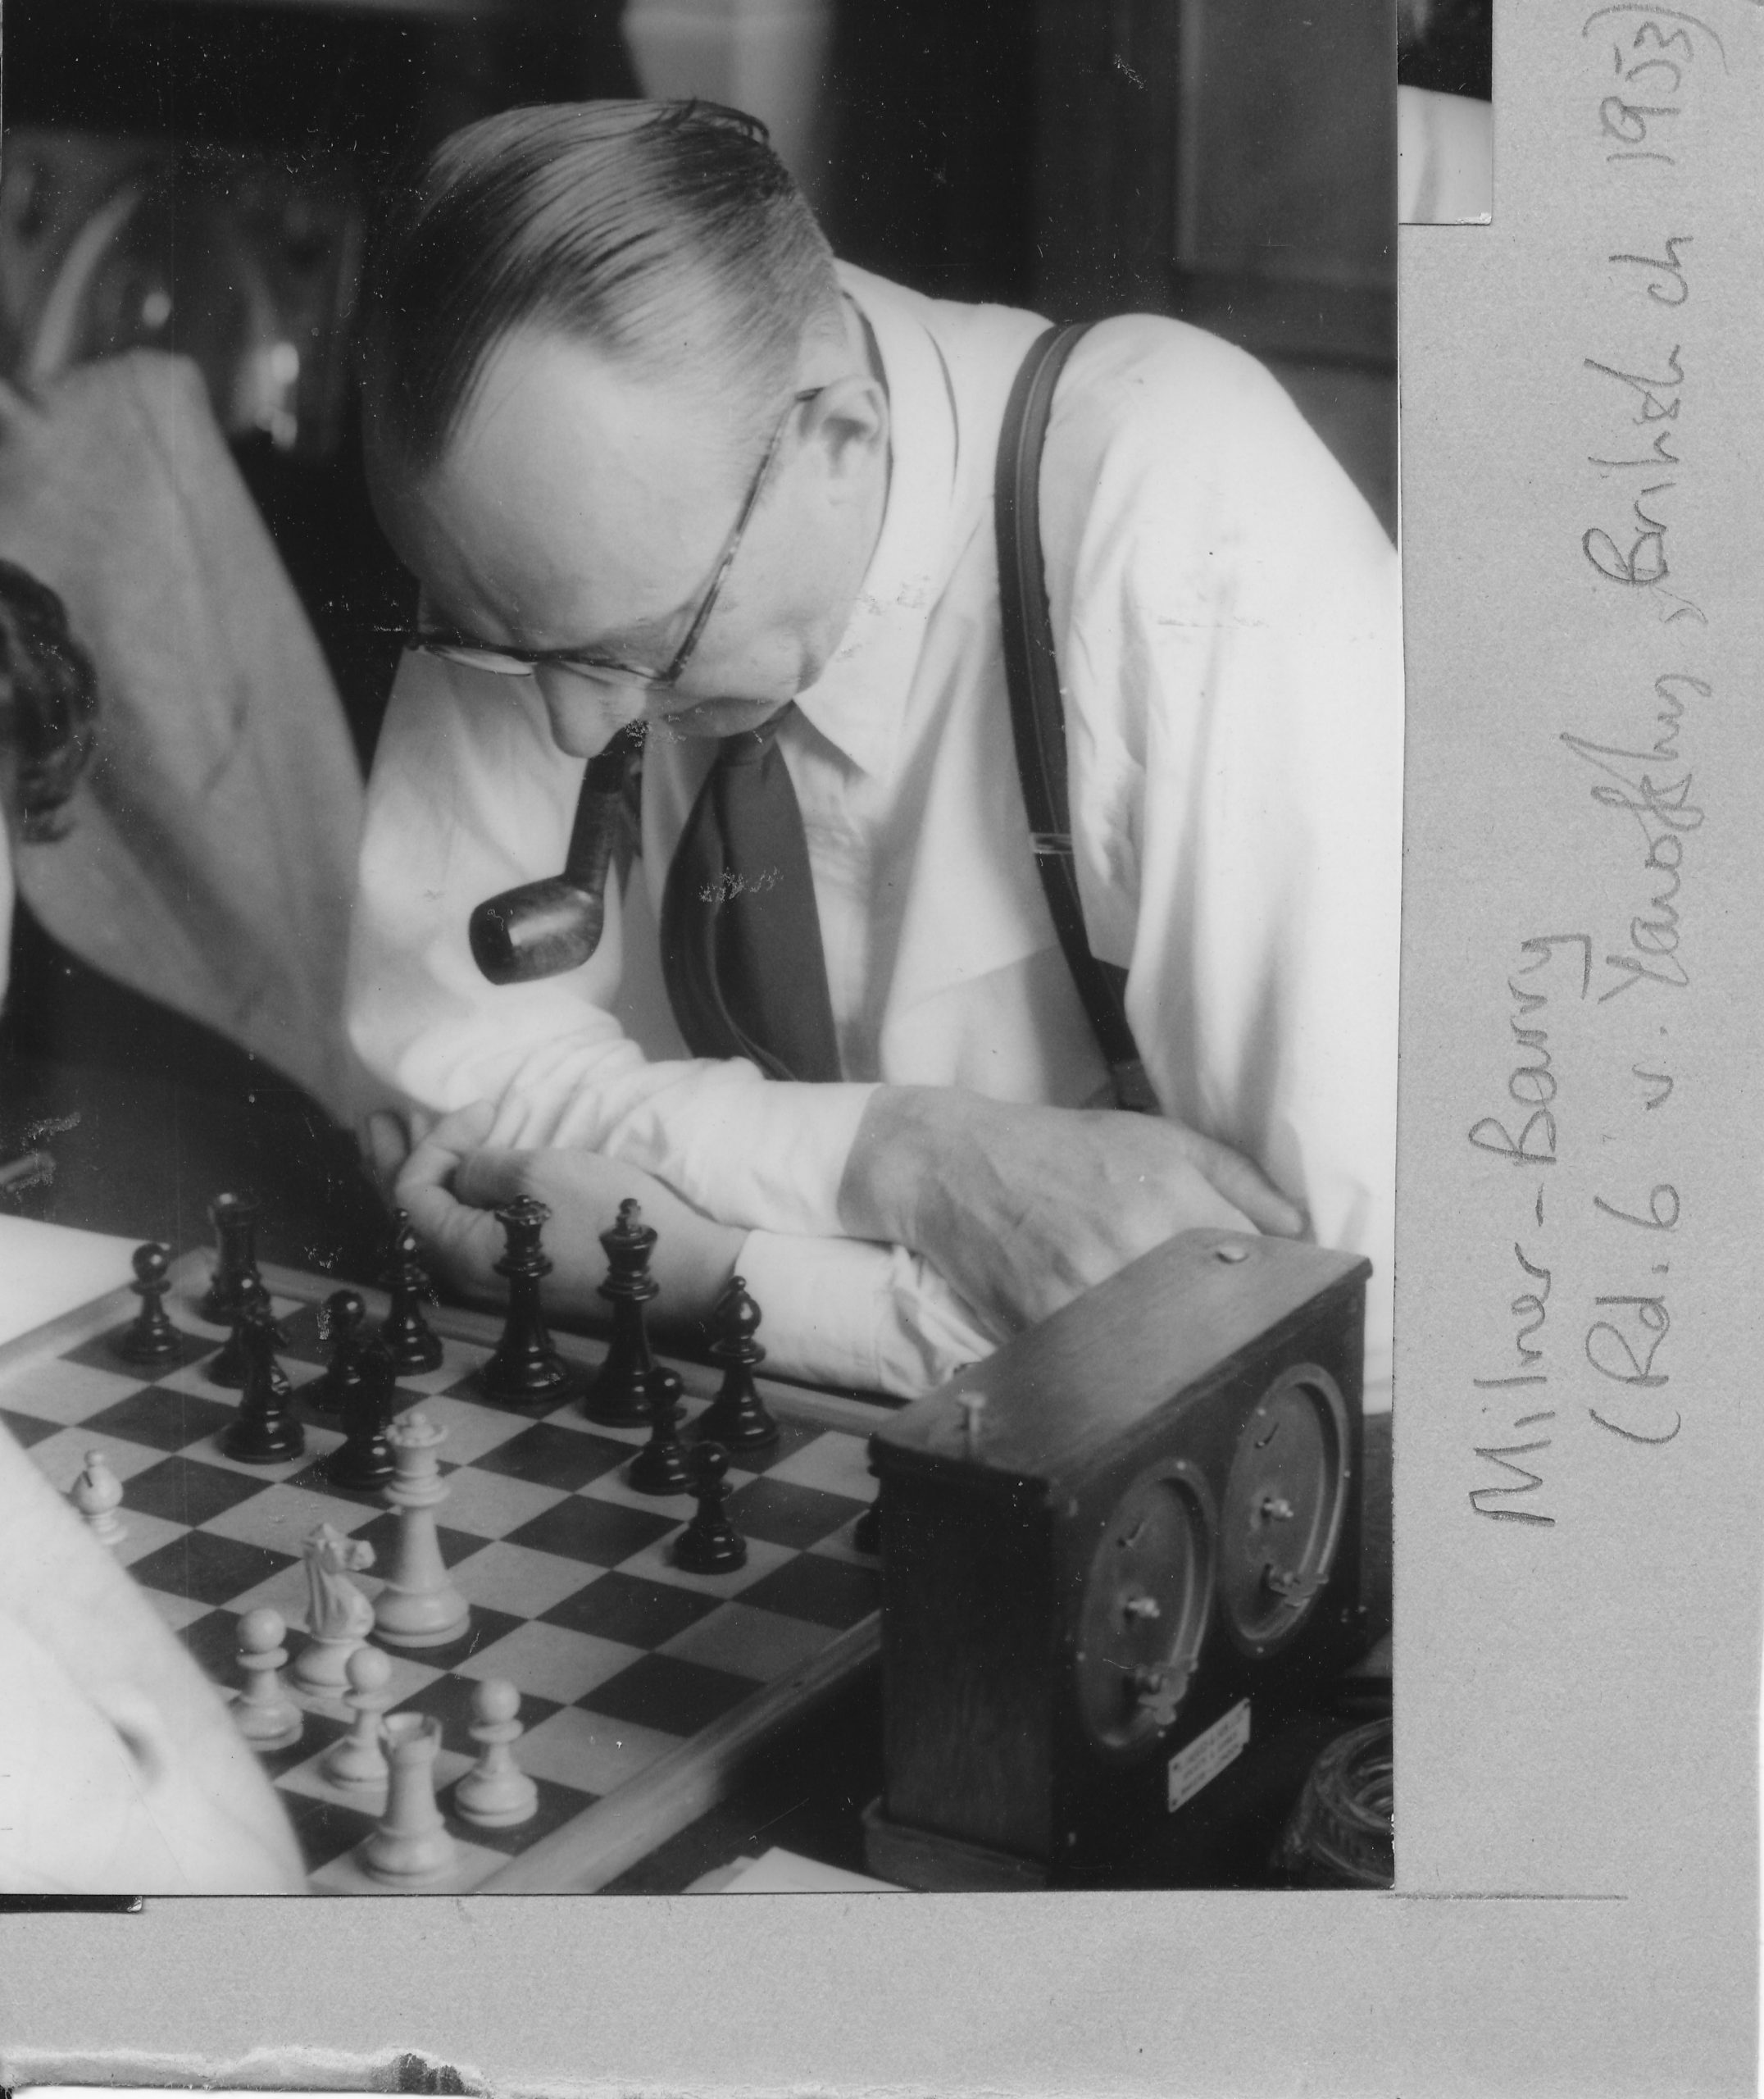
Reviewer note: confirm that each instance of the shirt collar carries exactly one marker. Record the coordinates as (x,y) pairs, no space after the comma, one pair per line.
(858,702)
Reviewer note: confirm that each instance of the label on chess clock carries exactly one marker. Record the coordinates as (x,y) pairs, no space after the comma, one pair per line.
(1200,1761)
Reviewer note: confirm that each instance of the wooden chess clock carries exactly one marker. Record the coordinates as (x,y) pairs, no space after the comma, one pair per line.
(1111,1553)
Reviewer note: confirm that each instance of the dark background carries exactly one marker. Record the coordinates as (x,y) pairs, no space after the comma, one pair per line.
(1231,162)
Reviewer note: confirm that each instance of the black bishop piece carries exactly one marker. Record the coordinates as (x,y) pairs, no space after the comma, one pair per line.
(619,1394)
(415,1347)
(363,1461)
(737,1418)
(150,1339)
(661,1466)
(264,1431)
(526,1371)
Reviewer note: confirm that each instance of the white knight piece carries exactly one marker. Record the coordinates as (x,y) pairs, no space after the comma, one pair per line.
(338,1617)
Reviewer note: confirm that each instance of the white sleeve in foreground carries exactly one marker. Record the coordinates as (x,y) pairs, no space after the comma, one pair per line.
(847,1312)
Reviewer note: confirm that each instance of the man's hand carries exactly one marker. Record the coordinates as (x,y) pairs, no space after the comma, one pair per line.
(451,1187)
(1022,1208)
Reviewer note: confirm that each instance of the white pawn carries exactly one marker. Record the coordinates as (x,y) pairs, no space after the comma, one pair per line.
(357,1759)
(496,1793)
(411,1845)
(96,1494)
(267,1718)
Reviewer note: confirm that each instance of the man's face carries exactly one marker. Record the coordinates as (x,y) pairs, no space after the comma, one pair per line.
(580,507)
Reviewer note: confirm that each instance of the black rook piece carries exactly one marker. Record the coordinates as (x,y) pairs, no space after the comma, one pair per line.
(151,1338)
(620,1393)
(264,1431)
(345,1316)
(737,1416)
(234,1219)
(710,1544)
(363,1461)
(526,1370)
(232,1364)
(661,1466)
(415,1346)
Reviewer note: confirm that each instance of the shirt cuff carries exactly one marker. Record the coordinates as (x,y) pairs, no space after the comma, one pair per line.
(850,1313)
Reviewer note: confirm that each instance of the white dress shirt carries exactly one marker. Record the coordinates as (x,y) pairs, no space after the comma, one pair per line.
(1225,612)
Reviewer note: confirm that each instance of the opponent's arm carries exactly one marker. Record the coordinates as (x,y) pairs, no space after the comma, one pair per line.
(120,1771)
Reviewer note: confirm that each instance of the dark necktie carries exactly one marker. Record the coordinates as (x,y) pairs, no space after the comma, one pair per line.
(741,950)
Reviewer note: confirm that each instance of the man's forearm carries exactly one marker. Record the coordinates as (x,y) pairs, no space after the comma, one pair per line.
(925,1165)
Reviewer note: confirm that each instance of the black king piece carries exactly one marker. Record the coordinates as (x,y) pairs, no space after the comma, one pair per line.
(526,1371)
(620,1393)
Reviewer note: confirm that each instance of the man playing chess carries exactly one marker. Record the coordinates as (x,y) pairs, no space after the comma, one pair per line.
(656,459)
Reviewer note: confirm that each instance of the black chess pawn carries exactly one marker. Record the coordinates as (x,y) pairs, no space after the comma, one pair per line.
(661,1467)
(234,1219)
(363,1461)
(737,1416)
(619,1394)
(710,1544)
(229,1365)
(345,1318)
(151,1338)
(526,1371)
(264,1431)
(414,1345)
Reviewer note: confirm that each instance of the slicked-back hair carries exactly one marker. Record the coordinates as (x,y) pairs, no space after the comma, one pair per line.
(667,235)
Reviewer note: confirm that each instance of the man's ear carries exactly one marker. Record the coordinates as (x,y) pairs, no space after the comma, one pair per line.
(848,424)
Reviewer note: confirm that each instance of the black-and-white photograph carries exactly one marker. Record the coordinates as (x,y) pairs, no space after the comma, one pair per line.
(702,727)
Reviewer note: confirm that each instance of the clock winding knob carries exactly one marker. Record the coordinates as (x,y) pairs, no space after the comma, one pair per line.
(1158,1692)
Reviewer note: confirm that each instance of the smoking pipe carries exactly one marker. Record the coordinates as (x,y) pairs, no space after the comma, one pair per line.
(544,928)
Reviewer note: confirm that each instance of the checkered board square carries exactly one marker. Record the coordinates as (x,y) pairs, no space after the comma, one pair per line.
(641,1684)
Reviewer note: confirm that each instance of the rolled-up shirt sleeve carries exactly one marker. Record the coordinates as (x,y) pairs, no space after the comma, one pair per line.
(847,1312)
(469,796)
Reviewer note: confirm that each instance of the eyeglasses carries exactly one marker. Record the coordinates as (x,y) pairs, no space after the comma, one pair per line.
(522,662)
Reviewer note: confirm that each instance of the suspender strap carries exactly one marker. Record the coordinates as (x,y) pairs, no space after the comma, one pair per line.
(1037,717)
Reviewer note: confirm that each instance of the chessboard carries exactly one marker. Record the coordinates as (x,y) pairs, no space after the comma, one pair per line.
(644,1688)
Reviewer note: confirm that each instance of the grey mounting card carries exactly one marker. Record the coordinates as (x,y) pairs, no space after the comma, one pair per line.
(1578,1574)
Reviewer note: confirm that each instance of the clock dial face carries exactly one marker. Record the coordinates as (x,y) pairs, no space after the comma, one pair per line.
(1144,1609)
(1283,1502)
